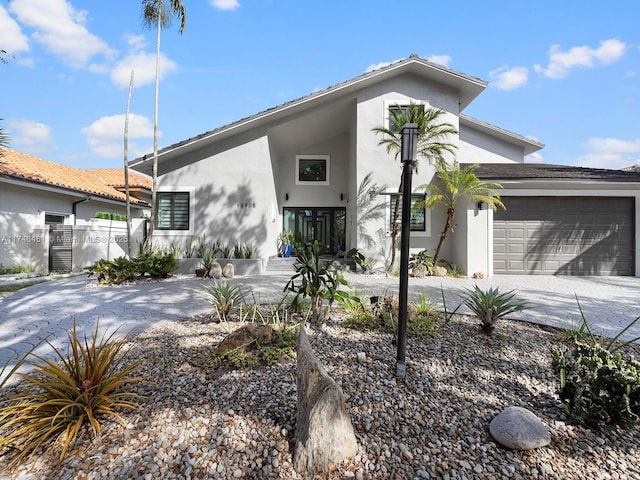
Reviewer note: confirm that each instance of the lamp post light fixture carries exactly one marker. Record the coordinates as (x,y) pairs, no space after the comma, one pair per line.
(409,149)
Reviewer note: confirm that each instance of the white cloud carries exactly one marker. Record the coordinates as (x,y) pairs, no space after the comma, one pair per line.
(144,67)
(28,134)
(505,78)
(61,29)
(561,63)
(378,66)
(12,40)
(105,136)
(443,60)
(610,153)
(535,157)
(225,4)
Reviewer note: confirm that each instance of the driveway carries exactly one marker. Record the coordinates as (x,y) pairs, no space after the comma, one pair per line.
(49,309)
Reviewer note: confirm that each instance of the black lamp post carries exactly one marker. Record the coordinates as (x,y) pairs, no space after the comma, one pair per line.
(409,134)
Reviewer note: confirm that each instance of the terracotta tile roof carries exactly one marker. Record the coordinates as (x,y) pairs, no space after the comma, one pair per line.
(544,171)
(114,177)
(27,167)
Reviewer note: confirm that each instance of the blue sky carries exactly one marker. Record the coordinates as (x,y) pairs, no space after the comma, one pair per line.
(566,73)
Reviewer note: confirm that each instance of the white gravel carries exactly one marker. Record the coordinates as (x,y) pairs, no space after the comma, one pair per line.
(195,424)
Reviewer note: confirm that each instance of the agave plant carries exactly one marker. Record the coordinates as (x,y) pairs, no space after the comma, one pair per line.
(491,305)
(83,387)
(223,297)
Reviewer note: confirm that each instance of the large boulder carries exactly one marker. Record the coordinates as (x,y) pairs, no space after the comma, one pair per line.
(324,433)
(245,338)
(520,429)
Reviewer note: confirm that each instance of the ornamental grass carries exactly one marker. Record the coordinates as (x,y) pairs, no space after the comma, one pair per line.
(61,397)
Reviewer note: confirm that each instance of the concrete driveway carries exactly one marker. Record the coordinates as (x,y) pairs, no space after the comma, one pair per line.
(49,309)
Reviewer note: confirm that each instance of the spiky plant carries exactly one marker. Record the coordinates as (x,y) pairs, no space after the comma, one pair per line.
(425,305)
(62,396)
(491,305)
(223,297)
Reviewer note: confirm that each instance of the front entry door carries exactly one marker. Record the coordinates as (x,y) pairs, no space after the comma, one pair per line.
(326,225)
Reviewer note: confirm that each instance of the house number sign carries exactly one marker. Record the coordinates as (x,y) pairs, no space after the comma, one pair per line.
(246,205)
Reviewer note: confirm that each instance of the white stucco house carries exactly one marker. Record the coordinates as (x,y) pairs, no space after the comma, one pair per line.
(314,166)
(49,213)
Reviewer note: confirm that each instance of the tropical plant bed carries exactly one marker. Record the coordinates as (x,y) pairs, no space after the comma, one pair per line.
(224,422)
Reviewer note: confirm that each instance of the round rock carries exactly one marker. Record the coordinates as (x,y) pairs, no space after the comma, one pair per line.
(520,429)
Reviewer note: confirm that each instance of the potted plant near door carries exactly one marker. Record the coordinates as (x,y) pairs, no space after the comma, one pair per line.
(285,241)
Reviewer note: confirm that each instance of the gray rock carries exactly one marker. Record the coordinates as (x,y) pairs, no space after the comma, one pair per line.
(216,270)
(520,429)
(324,433)
(228,271)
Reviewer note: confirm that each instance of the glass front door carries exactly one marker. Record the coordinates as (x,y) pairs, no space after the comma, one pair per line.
(326,225)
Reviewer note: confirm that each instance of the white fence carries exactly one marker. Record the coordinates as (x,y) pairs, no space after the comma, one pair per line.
(30,246)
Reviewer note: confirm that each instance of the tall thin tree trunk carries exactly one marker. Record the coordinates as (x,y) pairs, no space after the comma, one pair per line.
(451,211)
(155,136)
(126,165)
(394,224)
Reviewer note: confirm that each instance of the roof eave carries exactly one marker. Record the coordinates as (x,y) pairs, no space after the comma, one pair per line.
(529,145)
(18,180)
(469,88)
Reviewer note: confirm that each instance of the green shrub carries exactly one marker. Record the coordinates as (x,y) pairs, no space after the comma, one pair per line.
(491,305)
(122,269)
(597,383)
(425,305)
(422,326)
(421,260)
(111,216)
(113,272)
(317,279)
(363,321)
(84,387)
(156,265)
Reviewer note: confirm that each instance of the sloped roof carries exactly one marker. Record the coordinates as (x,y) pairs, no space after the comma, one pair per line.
(468,87)
(543,171)
(20,166)
(528,144)
(114,177)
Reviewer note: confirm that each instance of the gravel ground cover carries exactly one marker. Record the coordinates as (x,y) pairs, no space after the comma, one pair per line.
(195,423)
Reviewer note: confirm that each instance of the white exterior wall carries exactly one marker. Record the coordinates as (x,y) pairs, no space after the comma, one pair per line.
(257,168)
(372,108)
(477,147)
(233,197)
(105,239)
(24,237)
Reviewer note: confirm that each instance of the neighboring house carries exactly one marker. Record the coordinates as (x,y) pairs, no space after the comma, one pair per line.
(314,166)
(48,213)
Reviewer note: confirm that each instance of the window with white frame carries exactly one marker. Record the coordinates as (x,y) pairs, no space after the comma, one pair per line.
(313,169)
(172,210)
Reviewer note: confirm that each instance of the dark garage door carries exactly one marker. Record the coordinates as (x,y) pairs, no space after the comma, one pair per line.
(564,236)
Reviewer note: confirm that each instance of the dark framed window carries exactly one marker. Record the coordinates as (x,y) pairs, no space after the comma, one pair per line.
(418,217)
(172,211)
(402,110)
(312,169)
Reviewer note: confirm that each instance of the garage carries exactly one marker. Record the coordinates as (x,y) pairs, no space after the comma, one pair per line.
(564,236)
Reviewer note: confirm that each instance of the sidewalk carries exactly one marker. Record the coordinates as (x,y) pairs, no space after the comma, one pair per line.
(48,309)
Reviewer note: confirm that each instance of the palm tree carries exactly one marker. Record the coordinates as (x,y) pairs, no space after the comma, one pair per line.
(432,145)
(455,185)
(4,140)
(158,14)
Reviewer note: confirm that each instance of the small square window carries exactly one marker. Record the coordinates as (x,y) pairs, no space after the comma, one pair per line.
(312,169)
